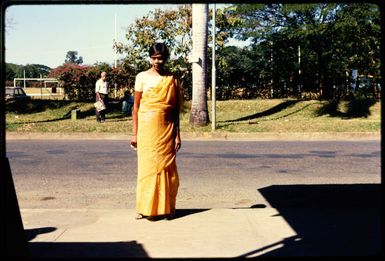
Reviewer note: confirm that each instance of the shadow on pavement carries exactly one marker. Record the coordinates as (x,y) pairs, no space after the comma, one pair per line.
(180,213)
(90,249)
(186,212)
(330,220)
(80,249)
(253,206)
(32,233)
(86,249)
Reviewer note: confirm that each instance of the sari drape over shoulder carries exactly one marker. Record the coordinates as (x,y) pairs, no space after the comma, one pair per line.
(158,180)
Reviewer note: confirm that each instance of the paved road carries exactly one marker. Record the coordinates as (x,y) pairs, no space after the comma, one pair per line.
(237,199)
(96,174)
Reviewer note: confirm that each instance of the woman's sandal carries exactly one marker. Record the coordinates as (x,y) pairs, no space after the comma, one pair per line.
(171,215)
(139,216)
(155,218)
(151,218)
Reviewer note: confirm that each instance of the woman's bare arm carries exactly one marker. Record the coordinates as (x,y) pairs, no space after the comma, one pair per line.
(137,99)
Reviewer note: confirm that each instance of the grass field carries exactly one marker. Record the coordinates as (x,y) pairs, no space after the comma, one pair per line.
(246,116)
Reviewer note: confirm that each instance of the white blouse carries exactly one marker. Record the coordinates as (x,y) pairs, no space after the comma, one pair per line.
(145,81)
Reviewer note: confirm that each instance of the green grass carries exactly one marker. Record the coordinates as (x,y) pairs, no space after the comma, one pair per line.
(259,115)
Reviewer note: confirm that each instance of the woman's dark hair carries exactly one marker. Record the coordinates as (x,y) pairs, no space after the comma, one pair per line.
(159,48)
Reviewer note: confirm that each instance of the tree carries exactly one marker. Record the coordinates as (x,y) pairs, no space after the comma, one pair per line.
(334,38)
(30,70)
(199,113)
(173,27)
(36,70)
(73,57)
(79,81)
(9,73)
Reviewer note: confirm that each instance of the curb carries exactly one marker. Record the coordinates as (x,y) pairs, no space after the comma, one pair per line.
(220,136)
(292,136)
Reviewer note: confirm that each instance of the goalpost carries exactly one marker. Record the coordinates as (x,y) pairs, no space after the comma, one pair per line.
(52,91)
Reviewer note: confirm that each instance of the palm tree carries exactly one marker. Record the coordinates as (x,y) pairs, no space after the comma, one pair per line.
(199,114)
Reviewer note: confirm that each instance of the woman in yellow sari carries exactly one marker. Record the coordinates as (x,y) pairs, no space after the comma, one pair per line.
(156,136)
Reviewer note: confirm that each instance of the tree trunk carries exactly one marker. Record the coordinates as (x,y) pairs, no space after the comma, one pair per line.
(199,114)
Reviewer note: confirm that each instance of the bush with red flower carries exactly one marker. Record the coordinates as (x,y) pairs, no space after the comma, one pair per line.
(79,81)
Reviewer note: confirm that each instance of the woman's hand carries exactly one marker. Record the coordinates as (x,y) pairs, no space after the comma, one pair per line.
(178,143)
(134,143)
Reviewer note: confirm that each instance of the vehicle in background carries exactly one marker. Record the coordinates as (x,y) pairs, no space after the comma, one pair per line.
(16,94)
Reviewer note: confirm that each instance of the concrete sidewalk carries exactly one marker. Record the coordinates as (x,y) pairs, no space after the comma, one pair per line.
(261,230)
(194,233)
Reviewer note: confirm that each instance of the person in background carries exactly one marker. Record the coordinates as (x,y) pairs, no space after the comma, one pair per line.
(101,91)
(127,103)
(156,136)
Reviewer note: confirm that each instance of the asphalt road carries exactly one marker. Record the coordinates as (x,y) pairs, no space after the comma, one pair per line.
(213,174)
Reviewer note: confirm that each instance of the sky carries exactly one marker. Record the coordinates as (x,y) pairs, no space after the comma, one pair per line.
(43,34)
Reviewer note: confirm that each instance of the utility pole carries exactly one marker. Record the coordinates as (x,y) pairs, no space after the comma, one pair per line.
(213,73)
(115,85)
(24,79)
(115,41)
(299,69)
(299,59)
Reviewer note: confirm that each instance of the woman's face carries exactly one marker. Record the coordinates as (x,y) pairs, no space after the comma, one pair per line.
(157,61)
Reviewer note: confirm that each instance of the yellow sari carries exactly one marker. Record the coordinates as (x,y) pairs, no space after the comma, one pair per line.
(158,181)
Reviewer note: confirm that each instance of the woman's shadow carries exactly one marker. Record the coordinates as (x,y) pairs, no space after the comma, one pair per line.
(180,213)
